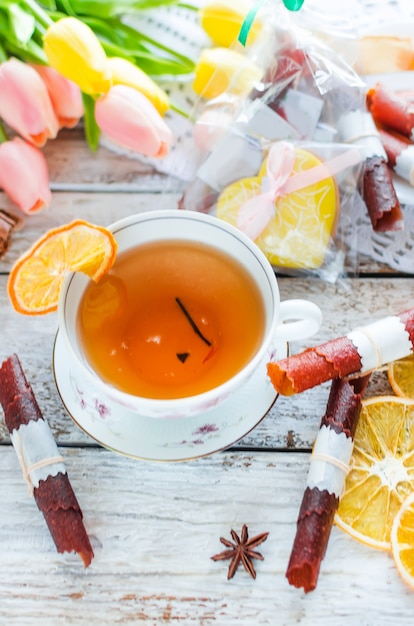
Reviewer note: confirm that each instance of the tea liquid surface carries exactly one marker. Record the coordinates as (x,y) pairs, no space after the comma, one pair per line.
(171,319)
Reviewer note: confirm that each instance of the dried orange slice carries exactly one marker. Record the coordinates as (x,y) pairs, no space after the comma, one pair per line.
(402,540)
(401,376)
(36,278)
(382,474)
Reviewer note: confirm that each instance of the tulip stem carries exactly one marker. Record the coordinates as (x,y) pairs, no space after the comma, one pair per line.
(38,13)
(177,109)
(3,136)
(188,5)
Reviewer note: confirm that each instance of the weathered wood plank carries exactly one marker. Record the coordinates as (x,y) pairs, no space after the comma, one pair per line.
(75,173)
(72,165)
(98,208)
(292,422)
(154,528)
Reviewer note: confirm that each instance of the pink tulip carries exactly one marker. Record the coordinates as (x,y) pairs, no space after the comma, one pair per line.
(25,104)
(132,121)
(24,176)
(65,95)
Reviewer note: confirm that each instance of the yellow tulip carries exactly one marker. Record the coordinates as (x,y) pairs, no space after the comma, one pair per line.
(223,19)
(124,72)
(221,69)
(73,49)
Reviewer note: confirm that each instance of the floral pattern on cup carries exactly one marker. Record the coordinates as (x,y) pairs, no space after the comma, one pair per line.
(92,404)
(95,407)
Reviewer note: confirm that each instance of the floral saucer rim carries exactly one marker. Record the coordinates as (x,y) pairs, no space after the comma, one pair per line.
(148,439)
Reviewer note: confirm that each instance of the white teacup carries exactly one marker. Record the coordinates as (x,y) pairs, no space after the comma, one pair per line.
(284,321)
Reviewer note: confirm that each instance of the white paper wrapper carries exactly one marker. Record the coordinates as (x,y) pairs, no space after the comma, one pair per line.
(381,342)
(37,452)
(329,464)
(404,164)
(358,127)
(233,147)
(265,122)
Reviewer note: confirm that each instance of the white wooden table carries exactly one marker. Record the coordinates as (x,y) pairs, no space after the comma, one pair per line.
(154,526)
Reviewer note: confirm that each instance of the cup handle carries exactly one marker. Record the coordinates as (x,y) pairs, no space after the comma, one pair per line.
(299,319)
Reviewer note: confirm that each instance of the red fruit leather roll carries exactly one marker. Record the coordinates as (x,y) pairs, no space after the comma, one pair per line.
(42,465)
(334,359)
(380,197)
(314,526)
(331,456)
(356,126)
(362,350)
(400,154)
(391,110)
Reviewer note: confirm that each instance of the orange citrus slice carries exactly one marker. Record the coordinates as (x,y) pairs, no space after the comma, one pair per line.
(304,220)
(36,278)
(402,540)
(401,376)
(382,474)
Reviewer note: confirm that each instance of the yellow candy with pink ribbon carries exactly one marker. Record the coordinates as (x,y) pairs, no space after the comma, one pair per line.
(290,209)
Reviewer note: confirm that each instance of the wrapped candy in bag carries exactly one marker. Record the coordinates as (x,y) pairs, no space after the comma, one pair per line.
(285,160)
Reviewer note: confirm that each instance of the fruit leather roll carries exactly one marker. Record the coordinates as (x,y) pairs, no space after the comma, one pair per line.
(329,466)
(362,350)
(357,127)
(391,110)
(7,223)
(42,465)
(400,154)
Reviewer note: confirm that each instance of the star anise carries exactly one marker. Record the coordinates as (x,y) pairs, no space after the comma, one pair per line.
(241,551)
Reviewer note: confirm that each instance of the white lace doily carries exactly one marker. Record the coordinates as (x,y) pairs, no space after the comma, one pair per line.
(180,29)
(394,249)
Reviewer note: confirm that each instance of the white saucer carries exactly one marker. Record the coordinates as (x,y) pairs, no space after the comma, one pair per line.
(151,439)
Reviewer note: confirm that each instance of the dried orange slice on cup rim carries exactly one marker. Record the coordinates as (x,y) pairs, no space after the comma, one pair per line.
(382,470)
(36,278)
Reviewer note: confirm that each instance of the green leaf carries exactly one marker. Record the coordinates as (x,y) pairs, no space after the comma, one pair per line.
(92,130)
(65,6)
(3,135)
(4,24)
(183,60)
(50,5)
(40,14)
(111,31)
(31,52)
(21,23)
(106,8)
(3,54)
(160,67)
(123,40)
(142,5)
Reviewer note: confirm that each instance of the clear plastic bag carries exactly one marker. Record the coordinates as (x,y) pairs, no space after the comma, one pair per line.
(288,122)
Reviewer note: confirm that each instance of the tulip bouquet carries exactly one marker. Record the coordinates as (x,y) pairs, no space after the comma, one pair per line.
(63,60)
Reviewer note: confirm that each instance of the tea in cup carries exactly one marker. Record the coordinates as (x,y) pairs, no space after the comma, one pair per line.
(189,310)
